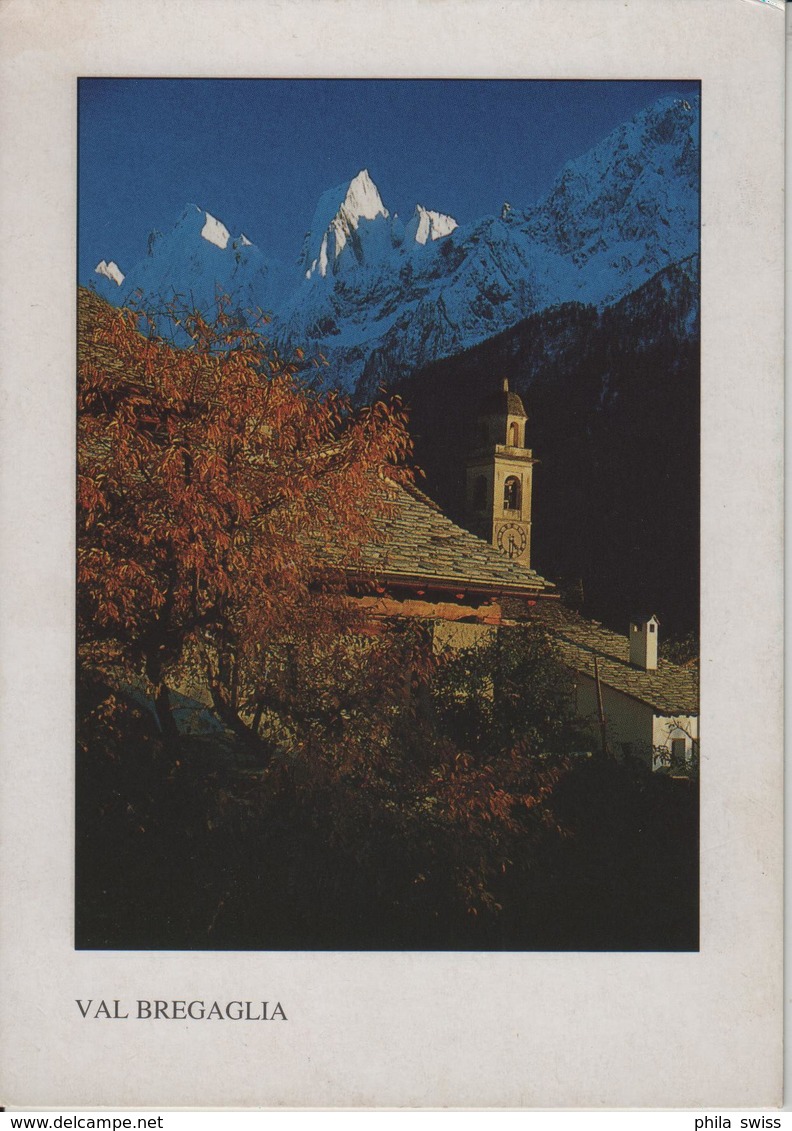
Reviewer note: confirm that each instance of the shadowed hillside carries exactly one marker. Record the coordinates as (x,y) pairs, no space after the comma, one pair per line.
(613,404)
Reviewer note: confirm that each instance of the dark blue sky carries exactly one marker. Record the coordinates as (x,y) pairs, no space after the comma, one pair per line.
(259,153)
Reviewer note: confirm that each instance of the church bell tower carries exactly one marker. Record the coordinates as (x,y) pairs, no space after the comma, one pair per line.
(499,474)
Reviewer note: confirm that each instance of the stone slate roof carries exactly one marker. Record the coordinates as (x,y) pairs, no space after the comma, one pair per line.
(418,543)
(671,690)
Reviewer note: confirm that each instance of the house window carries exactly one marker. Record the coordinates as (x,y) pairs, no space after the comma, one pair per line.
(677,752)
(651,628)
(511,494)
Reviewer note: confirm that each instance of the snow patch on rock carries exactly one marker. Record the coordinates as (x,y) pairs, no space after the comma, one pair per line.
(215,232)
(427,225)
(110,271)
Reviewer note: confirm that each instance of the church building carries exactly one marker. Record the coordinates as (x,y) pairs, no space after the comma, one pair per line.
(421,564)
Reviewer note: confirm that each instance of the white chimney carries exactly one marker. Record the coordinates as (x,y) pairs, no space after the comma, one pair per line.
(643,643)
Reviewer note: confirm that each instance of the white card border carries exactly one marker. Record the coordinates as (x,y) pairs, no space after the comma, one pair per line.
(422,1030)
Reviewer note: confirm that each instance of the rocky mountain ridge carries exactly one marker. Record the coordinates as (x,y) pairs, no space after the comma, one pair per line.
(378,298)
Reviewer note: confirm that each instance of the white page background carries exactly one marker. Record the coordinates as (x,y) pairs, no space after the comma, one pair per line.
(414,1029)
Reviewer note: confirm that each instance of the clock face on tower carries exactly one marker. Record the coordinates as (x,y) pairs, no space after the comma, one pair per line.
(512,539)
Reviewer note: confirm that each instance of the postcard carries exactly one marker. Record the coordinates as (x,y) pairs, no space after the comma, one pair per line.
(392,456)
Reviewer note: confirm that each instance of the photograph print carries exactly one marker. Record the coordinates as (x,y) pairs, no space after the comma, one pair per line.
(387,515)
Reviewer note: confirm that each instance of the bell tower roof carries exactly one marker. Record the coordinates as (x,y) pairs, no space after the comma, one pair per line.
(502,402)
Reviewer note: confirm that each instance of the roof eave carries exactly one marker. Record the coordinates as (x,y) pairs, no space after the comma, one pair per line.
(454,584)
(663,712)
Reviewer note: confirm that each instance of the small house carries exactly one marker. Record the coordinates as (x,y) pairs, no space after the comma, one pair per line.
(648,705)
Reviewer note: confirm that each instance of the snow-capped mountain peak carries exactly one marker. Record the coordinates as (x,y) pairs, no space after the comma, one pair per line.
(110,271)
(427,225)
(190,265)
(336,222)
(363,201)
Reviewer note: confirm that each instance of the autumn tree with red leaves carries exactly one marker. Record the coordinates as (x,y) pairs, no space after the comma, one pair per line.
(208,479)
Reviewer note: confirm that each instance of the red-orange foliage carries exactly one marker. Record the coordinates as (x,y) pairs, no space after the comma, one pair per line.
(201,472)
(208,480)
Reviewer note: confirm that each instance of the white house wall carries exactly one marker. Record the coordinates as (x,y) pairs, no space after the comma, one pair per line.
(665,730)
(630,723)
